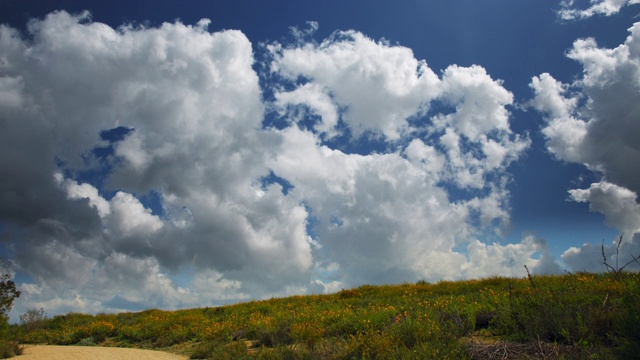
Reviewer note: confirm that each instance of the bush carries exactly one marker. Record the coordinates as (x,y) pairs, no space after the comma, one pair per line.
(274,335)
(9,349)
(220,350)
(629,319)
(564,310)
(87,342)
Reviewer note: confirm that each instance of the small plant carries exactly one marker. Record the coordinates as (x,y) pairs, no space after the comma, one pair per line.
(349,293)
(220,350)
(10,349)
(628,319)
(87,342)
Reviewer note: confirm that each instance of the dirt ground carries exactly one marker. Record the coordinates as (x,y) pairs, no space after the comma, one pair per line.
(52,352)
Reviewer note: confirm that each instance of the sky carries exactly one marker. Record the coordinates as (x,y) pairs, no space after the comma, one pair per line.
(170,154)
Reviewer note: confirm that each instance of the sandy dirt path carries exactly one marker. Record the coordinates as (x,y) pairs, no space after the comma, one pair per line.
(52,352)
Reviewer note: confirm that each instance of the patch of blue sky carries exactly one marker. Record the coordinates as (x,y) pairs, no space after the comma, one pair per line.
(272,178)
(101,162)
(153,201)
(120,303)
(312,221)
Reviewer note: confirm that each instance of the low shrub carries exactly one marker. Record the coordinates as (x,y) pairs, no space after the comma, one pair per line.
(9,348)
(86,342)
(628,320)
(220,350)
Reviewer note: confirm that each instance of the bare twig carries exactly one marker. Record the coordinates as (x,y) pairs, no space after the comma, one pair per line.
(636,259)
(529,277)
(632,260)
(506,350)
(618,253)
(568,272)
(617,270)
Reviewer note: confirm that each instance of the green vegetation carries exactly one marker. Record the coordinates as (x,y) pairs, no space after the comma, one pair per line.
(8,293)
(572,316)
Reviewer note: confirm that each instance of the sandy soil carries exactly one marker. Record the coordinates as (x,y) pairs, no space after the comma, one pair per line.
(52,352)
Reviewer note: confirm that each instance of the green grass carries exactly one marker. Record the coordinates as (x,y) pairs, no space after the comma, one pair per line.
(569,316)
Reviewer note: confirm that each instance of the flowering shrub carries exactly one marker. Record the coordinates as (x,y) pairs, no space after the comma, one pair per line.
(425,321)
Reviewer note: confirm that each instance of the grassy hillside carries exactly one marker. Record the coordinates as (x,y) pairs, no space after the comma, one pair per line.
(569,316)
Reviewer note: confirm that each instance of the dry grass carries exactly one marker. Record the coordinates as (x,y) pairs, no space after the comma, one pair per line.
(535,350)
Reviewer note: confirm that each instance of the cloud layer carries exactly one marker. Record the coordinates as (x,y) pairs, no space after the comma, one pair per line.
(193,106)
(594,121)
(391,206)
(144,171)
(598,7)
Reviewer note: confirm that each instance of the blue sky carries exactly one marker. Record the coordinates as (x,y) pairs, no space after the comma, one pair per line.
(177,154)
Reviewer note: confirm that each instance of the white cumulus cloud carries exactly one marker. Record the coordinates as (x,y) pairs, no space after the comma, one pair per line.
(385,216)
(182,209)
(602,133)
(398,85)
(598,7)
(594,121)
